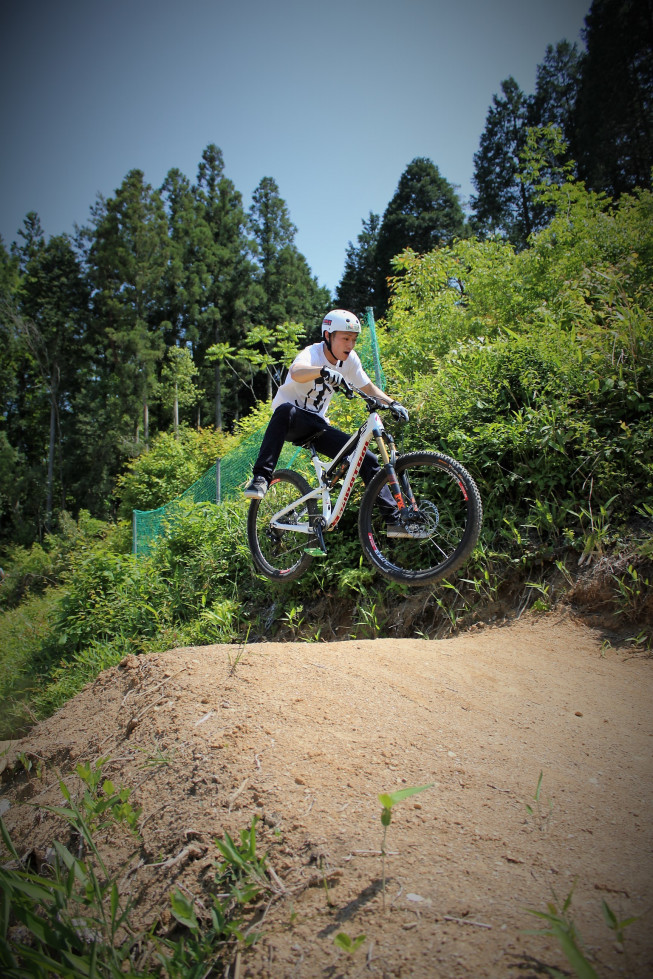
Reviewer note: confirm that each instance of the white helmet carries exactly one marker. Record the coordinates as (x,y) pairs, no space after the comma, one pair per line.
(340,320)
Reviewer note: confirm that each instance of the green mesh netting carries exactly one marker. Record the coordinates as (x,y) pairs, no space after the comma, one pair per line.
(368,351)
(227,476)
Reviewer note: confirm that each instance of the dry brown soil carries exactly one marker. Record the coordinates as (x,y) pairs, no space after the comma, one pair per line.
(306,736)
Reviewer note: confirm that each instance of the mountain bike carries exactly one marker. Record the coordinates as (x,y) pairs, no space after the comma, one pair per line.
(437,510)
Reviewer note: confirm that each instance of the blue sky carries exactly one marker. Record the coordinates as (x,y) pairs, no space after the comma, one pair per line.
(332,99)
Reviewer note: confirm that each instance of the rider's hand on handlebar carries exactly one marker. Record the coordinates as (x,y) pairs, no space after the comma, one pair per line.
(398,411)
(334,378)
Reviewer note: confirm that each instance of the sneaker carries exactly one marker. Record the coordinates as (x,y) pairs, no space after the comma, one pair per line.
(416,531)
(256,488)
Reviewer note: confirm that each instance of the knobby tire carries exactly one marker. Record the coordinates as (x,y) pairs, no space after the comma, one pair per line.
(447,508)
(280,555)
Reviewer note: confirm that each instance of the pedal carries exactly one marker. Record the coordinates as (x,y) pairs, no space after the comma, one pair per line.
(321,550)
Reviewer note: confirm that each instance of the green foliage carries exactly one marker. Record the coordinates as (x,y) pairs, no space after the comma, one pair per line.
(424,213)
(177,389)
(265,348)
(73,914)
(102,804)
(616,925)
(23,633)
(127,261)
(35,569)
(243,876)
(194,587)
(540,812)
(559,924)
(72,919)
(169,467)
(108,595)
(347,943)
(202,558)
(539,367)
(242,869)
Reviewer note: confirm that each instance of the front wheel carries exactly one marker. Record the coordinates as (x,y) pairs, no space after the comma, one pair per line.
(438,527)
(280,554)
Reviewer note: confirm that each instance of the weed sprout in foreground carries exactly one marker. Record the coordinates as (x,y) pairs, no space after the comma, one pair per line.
(388,800)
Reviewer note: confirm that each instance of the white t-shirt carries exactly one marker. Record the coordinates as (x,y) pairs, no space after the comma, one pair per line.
(316,395)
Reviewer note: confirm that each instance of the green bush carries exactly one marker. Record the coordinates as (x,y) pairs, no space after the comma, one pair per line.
(31,570)
(23,633)
(202,556)
(170,466)
(536,369)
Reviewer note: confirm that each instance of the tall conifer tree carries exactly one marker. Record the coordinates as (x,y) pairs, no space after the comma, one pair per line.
(286,289)
(128,259)
(357,288)
(614,112)
(226,278)
(502,204)
(182,277)
(423,214)
(50,322)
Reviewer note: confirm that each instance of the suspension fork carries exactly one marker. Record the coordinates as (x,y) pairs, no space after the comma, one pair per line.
(388,459)
(399,485)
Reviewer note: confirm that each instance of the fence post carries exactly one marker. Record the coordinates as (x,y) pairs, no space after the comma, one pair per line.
(134,533)
(378,375)
(217,481)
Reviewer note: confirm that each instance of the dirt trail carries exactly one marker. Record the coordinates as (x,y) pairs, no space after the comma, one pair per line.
(307,735)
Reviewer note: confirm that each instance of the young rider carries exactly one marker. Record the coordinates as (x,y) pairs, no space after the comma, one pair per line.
(300,405)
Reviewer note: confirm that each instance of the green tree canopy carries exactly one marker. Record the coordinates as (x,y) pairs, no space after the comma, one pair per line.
(177,389)
(556,88)
(49,324)
(503,204)
(357,288)
(127,261)
(226,278)
(287,291)
(614,111)
(424,213)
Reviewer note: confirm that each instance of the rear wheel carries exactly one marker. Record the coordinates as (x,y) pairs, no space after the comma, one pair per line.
(280,554)
(441,521)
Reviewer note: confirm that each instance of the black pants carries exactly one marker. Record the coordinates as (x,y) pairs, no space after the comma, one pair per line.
(292,424)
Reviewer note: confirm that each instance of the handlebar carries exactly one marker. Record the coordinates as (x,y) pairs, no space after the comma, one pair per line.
(372,403)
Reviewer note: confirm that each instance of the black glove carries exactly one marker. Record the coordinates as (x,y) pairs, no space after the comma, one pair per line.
(399,411)
(334,378)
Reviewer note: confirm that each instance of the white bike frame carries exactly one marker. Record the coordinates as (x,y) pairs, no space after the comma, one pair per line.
(372,429)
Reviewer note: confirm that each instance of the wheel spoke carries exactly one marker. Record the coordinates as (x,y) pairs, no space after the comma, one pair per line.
(448,511)
(280,554)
